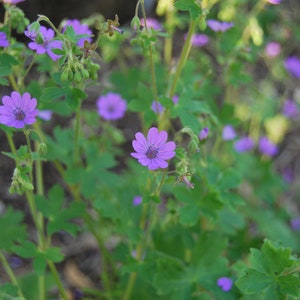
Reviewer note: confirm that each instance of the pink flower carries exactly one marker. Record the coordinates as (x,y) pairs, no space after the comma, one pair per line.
(12,2)
(292,65)
(218,26)
(3,40)
(80,29)
(225,283)
(228,133)
(244,144)
(153,151)
(111,106)
(266,147)
(203,134)
(46,43)
(151,23)
(18,110)
(273,49)
(275,2)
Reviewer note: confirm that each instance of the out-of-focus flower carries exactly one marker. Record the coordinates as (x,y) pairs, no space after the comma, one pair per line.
(151,23)
(290,109)
(266,147)
(292,65)
(218,26)
(12,2)
(175,99)
(153,151)
(275,2)
(295,224)
(18,110)
(79,29)
(225,283)
(199,40)
(228,133)
(203,134)
(111,106)
(46,44)
(137,200)
(157,107)
(45,115)
(3,40)
(244,144)
(15,262)
(288,175)
(272,49)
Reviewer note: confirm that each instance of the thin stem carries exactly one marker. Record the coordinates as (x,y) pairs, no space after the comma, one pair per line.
(147,231)
(151,62)
(11,274)
(57,280)
(21,81)
(183,57)
(77,133)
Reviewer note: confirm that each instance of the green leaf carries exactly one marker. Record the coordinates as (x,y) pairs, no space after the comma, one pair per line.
(191,6)
(254,281)
(26,249)
(53,93)
(188,215)
(59,215)
(54,254)
(12,229)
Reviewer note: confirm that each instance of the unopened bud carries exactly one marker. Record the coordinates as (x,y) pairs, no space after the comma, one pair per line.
(42,149)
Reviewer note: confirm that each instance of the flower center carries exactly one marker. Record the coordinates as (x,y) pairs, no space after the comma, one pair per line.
(151,152)
(20,115)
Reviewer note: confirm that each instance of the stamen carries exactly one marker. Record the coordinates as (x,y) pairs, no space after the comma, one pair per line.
(20,115)
(151,152)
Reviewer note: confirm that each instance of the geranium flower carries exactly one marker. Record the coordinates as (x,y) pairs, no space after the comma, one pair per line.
(12,2)
(225,283)
(47,43)
(79,29)
(3,40)
(266,147)
(218,26)
(157,107)
(137,200)
(199,40)
(18,110)
(292,65)
(45,115)
(244,144)
(228,133)
(203,134)
(290,109)
(273,49)
(111,106)
(153,151)
(275,2)
(151,23)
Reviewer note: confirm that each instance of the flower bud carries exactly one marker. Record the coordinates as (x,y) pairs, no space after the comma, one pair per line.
(42,149)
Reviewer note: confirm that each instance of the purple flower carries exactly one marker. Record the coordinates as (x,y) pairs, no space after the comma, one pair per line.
(151,23)
(157,107)
(79,29)
(3,40)
(295,224)
(46,43)
(244,144)
(12,2)
(292,65)
(18,110)
(137,200)
(290,109)
(272,49)
(225,283)
(266,147)
(228,133)
(275,2)
(111,106)
(199,40)
(45,115)
(15,262)
(153,151)
(175,99)
(203,134)
(218,26)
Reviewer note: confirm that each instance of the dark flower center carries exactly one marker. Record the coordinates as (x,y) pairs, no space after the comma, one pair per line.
(151,152)
(111,109)
(20,115)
